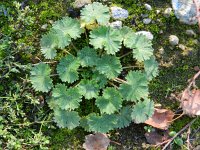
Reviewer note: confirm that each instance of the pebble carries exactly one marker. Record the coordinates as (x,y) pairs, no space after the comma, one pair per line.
(157,11)
(44,27)
(167,12)
(182,47)
(81,3)
(119,13)
(144,15)
(185,11)
(173,40)
(190,33)
(147,21)
(116,24)
(149,35)
(148,7)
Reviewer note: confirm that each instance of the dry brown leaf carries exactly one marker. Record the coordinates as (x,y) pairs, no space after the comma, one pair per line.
(161,119)
(156,138)
(190,102)
(97,141)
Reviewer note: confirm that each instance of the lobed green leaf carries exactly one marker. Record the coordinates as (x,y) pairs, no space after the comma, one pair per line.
(40,77)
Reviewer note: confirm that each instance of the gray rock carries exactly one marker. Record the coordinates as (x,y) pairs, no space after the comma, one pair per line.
(81,3)
(144,15)
(116,24)
(167,12)
(190,33)
(148,7)
(119,13)
(182,47)
(185,11)
(173,40)
(149,35)
(147,21)
(44,27)
(157,11)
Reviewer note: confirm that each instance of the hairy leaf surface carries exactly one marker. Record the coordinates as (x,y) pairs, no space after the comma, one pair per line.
(88,88)
(142,47)
(151,68)
(124,117)
(67,69)
(88,57)
(66,98)
(69,119)
(136,86)
(95,12)
(68,27)
(142,111)
(110,66)
(110,102)
(106,37)
(40,77)
(103,123)
(100,79)
(49,43)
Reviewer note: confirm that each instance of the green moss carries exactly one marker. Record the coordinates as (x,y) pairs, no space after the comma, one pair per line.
(67,139)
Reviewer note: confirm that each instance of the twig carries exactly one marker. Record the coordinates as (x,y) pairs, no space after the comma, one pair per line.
(192,82)
(120,80)
(188,139)
(178,117)
(125,54)
(116,143)
(188,125)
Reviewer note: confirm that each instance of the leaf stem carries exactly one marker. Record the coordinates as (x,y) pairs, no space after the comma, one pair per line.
(76,49)
(125,54)
(120,80)
(113,84)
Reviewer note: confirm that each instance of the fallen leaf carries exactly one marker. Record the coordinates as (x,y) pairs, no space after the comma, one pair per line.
(156,138)
(97,141)
(161,119)
(190,102)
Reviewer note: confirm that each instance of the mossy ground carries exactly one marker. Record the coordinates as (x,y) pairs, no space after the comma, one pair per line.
(176,65)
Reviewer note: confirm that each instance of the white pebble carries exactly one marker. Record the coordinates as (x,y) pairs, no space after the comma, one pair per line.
(148,7)
(173,40)
(119,13)
(116,24)
(190,33)
(149,35)
(167,12)
(147,21)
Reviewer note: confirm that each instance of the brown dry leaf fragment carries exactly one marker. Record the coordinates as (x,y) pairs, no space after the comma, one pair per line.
(190,102)
(97,141)
(161,119)
(156,138)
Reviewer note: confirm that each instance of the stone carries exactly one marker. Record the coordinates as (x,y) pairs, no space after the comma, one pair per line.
(147,21)
(185,11)
(144,15)
(157,11)
(173,40)
(148,7)
(149,35)
(190,33)
(167,12)
(116,24)
(81,3)
(44,27)
(182,47)
(119,13)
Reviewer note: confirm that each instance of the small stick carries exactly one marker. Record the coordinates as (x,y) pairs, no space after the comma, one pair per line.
(120,80)
(188,125)
(116,143)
